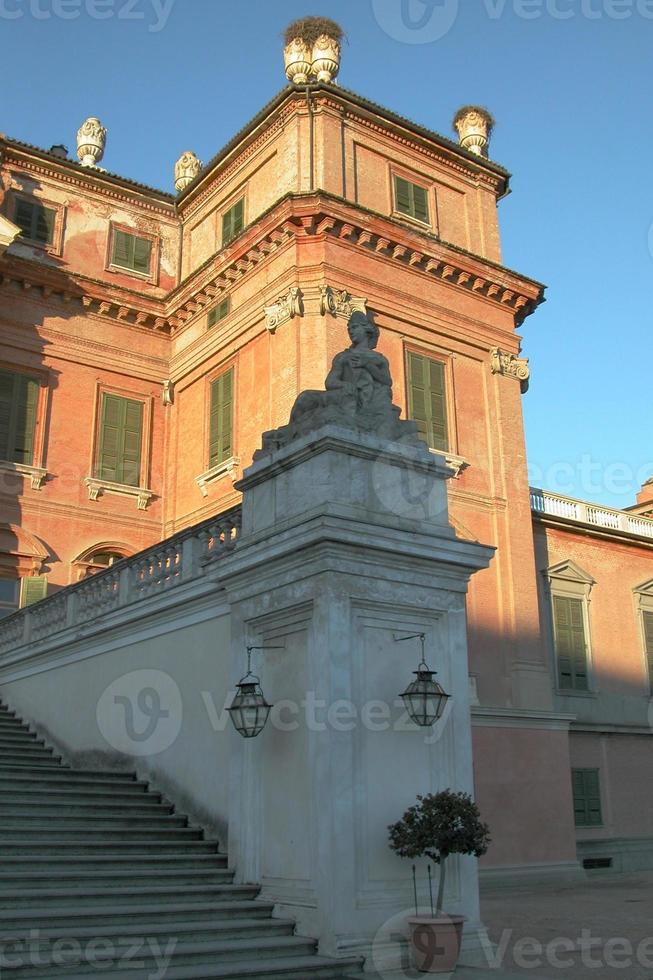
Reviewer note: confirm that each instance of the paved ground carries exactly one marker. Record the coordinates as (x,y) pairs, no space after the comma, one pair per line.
(599,930)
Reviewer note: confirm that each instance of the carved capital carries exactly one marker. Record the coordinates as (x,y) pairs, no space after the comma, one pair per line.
(339,302)
(511,366)
(286,308)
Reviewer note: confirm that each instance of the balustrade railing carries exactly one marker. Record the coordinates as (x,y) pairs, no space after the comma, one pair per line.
(183,557)
(545,502)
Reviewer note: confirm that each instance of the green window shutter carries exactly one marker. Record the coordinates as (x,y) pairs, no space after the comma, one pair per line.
(411,199)
(121,433)
(35,221)
(233,221)
(648,640)
(19,397)
(219,312)
(587,797)
(570,643)
(131,252)
(421,203)
(427,402)
(221,419)
(33,589)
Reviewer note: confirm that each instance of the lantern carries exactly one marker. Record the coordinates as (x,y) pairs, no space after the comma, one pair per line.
(424,698)
(249,711)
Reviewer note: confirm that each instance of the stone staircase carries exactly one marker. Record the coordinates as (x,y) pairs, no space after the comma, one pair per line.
(99,876)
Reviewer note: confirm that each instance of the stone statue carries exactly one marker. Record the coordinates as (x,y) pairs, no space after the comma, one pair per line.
(358,395)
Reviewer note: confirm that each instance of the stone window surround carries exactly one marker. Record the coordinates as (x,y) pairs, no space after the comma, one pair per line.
(35,471)
(84,561)
(447,358)
(56,245)
(395,170)
(643,597)
(228,467)
(153,275)
(569,581)
(95,485)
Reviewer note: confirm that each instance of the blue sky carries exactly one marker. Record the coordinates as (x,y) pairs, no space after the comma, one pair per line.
(569,84)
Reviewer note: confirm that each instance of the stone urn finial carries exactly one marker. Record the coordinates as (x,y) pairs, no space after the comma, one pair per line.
(474,125)
(312,50)
(91,141)
(187,168)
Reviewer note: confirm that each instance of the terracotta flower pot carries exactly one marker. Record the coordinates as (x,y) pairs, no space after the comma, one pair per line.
(435,942)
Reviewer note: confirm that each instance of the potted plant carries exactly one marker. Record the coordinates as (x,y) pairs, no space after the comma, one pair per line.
(312,49)
(438,825)
(474,125)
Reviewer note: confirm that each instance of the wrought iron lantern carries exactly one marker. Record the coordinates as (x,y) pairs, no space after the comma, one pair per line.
(424,698)
(249,711)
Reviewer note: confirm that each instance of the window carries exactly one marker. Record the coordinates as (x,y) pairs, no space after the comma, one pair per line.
(19,396)
(121,430)
(570,644)
(221,419)
(33,588)
(233,222)
(9,588)
(427,403)
(35,220)
(131,252)
(219,312)
(411,199)
(648,642)
(587,797)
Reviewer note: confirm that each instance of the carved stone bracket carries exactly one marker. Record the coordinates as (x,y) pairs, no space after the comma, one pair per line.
(36,474)
(339,302)
(227,468)
(511,366)
(96,487)
(168,393)
(286,308)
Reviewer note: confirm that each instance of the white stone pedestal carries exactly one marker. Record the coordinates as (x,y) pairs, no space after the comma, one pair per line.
(346,545)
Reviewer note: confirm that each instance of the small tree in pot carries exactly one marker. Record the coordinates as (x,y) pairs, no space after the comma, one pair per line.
(436,826)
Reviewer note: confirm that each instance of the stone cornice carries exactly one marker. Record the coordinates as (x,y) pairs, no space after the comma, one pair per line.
(321,215)
(42,164)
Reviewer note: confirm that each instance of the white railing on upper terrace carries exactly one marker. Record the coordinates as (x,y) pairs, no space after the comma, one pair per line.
(182,558)
(544,502)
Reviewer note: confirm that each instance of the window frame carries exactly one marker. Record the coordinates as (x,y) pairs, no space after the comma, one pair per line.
(34,469)
(235,201)
(584,771)
(55,247)
(10,607)
(213,380)
(643,596)
(146,435)
(446,358)
(427,187)
(216,307)
(567,580)
(155,253)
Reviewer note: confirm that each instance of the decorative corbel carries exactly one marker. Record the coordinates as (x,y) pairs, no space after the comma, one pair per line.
(511,366)
(339,302)
(168,393)
(286,308)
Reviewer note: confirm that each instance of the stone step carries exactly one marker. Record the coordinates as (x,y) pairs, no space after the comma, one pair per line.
(182,954)
(89,896)
(60,793)
(60,806)
(62,779)
(49,917)
(100,861)
(68,877)
(97,818)
(282,968)
(62,772)
(101,831)
(42,758)
(85,845)
(198,928)
(19,737)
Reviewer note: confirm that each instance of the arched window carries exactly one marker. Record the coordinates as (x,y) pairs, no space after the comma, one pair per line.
(98,558)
